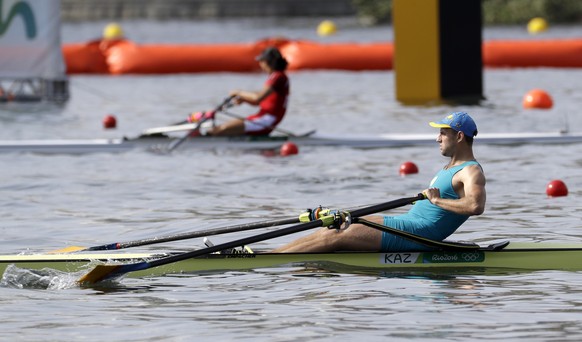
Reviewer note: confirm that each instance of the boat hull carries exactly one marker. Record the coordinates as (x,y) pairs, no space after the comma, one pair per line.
(517,256)
(160,144)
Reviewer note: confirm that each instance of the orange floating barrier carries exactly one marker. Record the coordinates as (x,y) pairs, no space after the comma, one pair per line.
(565,53)
(85,58)
(340,56)
(132,58)
(125,57)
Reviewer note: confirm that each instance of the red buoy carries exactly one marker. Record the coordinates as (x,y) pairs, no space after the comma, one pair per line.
(288,149)
(556,188)
(408,168)
(109,121)
(537,99)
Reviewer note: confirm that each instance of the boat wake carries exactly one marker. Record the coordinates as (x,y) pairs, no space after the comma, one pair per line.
(45,279)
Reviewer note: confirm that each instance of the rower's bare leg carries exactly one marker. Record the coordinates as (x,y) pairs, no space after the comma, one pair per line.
(229,128)
(356,238)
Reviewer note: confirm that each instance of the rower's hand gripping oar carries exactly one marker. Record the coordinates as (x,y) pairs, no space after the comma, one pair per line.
(182,236)
(105,272)
(204,118)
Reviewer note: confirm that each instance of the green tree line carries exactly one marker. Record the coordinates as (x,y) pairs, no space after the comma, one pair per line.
(495,12)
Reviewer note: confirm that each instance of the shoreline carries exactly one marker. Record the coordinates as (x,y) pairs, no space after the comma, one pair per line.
(92,10)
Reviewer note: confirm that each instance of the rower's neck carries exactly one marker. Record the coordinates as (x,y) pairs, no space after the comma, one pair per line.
(459,159)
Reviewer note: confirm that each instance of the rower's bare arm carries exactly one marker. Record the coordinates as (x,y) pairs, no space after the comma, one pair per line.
(252,97)
(472,193)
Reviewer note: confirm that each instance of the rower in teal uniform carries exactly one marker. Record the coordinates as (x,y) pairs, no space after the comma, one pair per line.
(454,194)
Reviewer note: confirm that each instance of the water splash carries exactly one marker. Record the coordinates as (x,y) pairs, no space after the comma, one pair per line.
(45,279)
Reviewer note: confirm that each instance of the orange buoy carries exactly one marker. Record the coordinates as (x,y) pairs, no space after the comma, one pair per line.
(288,149)
(537,99)
(556,188)
(408,168)
(109,121)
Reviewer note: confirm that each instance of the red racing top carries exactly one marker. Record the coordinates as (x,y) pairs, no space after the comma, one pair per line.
(276,102)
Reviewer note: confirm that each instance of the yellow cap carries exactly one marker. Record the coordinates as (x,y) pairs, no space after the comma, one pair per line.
(112,31)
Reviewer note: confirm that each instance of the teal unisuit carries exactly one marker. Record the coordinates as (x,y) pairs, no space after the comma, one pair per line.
(426,219)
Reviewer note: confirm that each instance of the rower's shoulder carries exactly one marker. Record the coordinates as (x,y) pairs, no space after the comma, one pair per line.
(474,174)
(473,170)
(476,167)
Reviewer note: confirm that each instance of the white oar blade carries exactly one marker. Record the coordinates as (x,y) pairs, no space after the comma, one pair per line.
(169,129)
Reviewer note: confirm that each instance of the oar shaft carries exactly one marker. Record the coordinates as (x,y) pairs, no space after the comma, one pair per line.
(178,142)
(386,206)
(229,229)
(193,235)
(103,272)
(174,144)
(236,243)
(281,232)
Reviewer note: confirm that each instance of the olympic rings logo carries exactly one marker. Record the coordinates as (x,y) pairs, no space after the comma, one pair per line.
(471,257)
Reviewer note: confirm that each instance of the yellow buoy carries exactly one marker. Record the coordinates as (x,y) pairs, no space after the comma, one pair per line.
(326,28)
(112,31)
(537,25)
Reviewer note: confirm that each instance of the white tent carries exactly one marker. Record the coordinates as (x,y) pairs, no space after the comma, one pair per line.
(30,43)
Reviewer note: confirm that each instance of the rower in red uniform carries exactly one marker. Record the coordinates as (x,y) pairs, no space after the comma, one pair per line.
(272,99)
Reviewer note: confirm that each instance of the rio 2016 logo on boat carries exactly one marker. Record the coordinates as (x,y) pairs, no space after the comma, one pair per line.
(453,257)
(23,9)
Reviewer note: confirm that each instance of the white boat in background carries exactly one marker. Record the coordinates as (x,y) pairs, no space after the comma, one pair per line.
(159,142)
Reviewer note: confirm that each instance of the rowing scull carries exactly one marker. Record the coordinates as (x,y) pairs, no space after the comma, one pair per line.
(81,146)
(513,257)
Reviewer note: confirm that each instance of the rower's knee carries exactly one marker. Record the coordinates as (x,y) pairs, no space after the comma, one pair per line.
(334,239)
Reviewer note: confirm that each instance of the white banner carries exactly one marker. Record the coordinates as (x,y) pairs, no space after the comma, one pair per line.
(30,39)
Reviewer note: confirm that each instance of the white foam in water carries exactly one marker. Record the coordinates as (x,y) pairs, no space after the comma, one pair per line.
(46,279)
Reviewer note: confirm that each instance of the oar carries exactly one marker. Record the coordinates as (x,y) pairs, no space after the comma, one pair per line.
(291,134)
(104,272)
(178,142)
(178,126)
(182,236)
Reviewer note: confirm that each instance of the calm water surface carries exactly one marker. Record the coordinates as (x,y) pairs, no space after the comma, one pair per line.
(50,202)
